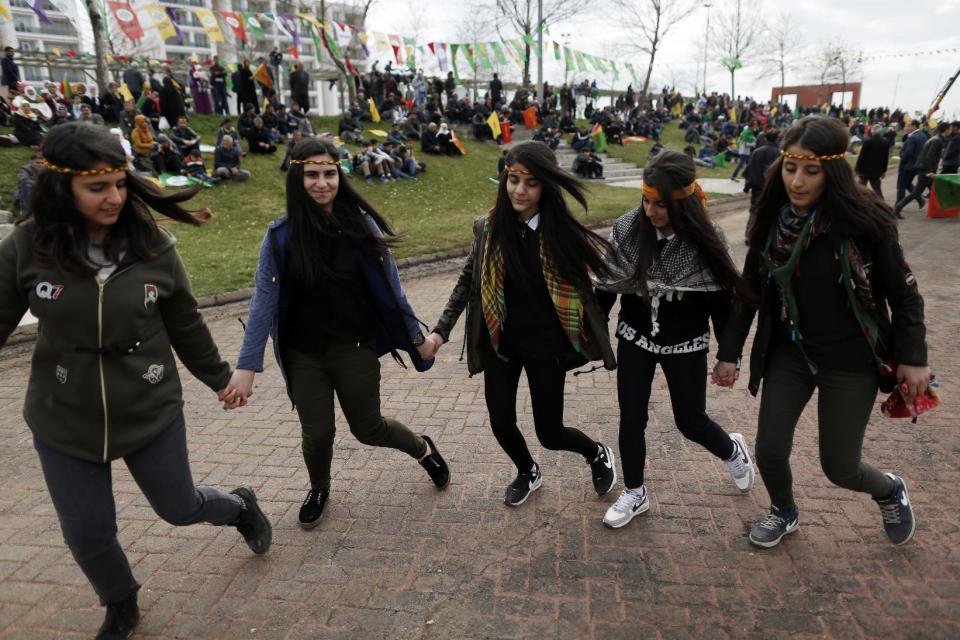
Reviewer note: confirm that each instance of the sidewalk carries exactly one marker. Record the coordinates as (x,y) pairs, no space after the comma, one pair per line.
(394,558)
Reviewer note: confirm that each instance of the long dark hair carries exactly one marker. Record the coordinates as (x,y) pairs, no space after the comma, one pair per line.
(309,223)
(61,232)
(669,171)
(575,250)
(853,211)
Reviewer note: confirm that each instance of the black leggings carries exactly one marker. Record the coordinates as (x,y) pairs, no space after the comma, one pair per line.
(546,379)
(687,381)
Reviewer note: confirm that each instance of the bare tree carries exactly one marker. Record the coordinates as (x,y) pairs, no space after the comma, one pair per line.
(649,22)
(100,49)
(781,38)
(522,14)
(849,66)
(476,28)
(836,62)
(734,35)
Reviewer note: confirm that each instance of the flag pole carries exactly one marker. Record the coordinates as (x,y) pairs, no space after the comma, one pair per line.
(540,49)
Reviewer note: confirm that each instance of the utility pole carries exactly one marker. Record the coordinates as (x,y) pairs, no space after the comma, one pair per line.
(706,45)
(540,49)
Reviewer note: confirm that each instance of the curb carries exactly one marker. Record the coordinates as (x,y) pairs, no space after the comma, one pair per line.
(210,304)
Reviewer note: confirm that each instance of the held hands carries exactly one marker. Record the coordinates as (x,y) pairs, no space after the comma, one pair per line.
(237,391)
(430,346)
(724,374)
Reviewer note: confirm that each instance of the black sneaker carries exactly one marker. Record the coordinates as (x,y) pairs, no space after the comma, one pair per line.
(312,508)
(121,619)
(435,465)
(521,488)
(604,469)
(897,512)
(251,523)
(778,523)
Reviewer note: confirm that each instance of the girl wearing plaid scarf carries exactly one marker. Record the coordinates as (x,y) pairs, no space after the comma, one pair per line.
(672,268)
(527,290)
(825,265)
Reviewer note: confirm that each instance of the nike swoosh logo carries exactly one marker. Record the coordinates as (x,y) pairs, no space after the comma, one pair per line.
(904,501)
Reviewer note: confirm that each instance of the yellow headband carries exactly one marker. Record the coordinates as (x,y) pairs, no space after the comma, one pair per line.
(83,172)
(522,172)
(798,156)
(320,162)
(650,193)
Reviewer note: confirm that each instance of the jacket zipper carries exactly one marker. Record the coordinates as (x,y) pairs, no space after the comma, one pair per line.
(103,382)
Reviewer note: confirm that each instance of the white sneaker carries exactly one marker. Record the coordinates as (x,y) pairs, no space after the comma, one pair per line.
(740,465)
(632,502)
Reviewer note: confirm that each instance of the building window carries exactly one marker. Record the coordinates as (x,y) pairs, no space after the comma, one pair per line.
(34,74)
(201,40)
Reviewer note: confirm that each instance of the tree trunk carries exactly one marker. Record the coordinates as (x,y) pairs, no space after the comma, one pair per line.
(733,94)
(342,68)
(526,64)
(646,80)
(96,22)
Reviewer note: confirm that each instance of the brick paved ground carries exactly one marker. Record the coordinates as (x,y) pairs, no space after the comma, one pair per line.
(394,558)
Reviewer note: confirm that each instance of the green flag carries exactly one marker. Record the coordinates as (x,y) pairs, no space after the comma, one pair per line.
(468,52)
(947,188)
(254,25)
(568,58)
(556,50)
(732,63)
(581,63)
(483,57)
(632,70)
(453,62)
(613,69)
(410,52)
(498,53)
(520,48)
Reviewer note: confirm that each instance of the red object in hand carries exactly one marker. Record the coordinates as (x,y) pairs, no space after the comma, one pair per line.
(896,405)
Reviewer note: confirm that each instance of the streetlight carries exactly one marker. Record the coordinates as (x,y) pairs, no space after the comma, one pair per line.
(706,45)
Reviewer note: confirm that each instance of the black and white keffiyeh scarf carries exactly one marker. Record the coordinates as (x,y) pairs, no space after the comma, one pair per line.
(676,271)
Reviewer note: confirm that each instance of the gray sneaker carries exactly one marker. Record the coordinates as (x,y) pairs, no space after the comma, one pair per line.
(740,465)
(897,512)
(632,502)
(778,523)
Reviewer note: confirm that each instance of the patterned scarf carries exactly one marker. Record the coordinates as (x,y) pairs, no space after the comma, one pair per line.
(565,297)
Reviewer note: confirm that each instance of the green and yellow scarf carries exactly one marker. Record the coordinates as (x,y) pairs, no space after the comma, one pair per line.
(565,297)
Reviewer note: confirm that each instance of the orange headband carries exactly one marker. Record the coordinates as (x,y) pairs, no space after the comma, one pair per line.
(798,156)
(651,193)
(522,172)
(320,162)
(83,172)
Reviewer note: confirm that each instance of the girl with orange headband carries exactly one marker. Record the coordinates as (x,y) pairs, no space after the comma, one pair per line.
(673,272)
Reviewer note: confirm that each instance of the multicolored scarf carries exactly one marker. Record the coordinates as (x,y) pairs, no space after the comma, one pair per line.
(565,297)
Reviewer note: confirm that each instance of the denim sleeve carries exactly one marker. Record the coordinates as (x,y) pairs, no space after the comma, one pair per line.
(263,307)
(393,278)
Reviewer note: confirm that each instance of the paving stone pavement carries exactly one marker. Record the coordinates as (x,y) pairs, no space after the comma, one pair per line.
(394,558)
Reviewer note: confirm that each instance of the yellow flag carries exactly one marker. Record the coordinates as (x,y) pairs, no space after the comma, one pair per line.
(374,114)
(5,10)
(55,51)
(209,23)
(125,92)
(494,122)
(161,21)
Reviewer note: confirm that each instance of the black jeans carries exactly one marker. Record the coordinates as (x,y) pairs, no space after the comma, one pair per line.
(844,404)
(352,372)
(923,183)
(904,182)
(546,378)
(874,184)
(686,375)
(83,497)
(220,99)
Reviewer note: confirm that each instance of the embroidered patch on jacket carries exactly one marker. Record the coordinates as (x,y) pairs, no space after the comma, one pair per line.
(61,375)
(150,294)
(47,291)
(154,373)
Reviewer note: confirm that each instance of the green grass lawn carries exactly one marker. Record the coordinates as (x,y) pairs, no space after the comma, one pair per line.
(433,214)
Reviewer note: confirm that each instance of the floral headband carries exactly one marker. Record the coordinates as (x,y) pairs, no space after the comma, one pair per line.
(328,163)
(800,156)
(651,193)
(83,172)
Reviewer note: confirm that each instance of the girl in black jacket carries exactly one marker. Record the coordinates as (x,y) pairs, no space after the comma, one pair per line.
(824,264)
(672,267)
(528,278)
(112,298)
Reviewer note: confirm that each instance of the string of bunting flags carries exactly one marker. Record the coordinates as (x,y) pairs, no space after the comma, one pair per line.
(336,37)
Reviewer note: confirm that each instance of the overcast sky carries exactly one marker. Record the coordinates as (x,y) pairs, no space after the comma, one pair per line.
(877,27)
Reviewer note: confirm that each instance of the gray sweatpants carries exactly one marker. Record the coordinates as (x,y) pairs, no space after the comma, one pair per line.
(82,494)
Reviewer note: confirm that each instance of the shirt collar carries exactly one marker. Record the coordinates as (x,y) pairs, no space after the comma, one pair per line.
(660,235)
(533,222)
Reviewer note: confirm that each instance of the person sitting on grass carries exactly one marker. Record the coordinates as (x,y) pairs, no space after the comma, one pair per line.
(409,161)
(226,129)
(588,165)
(184,137)
(166,158)
(226,161)
(141,139)
(294,139)
(271,123)
(549,137)
(447,141)
(413,126)
(245,121)
(395,135)
(258,138)
(195,167)
(582,140)
(303,120)
(26,177)
(429,142)
(691,152)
